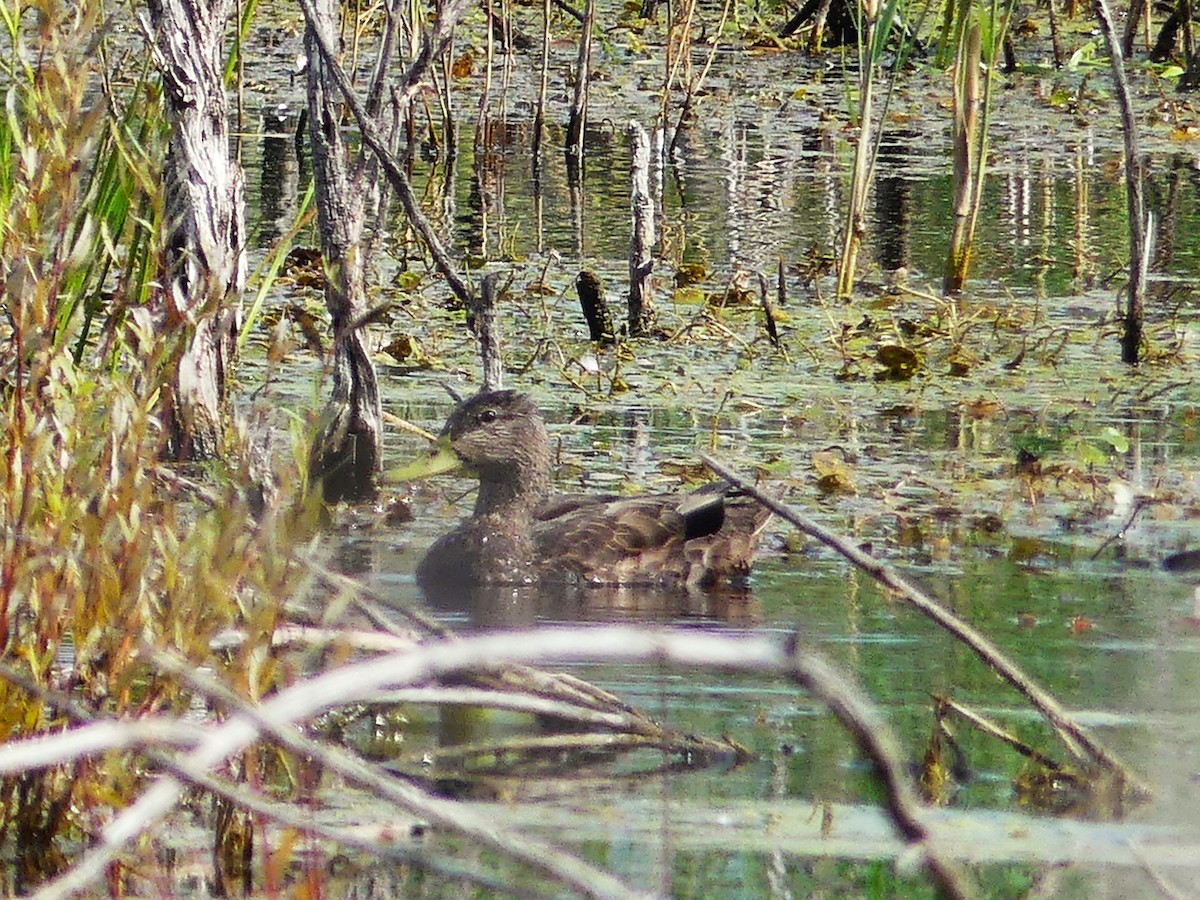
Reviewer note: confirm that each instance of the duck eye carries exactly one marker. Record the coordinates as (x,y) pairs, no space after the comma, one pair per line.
(488,415)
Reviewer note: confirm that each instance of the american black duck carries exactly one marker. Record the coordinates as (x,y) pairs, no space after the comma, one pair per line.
(522,533)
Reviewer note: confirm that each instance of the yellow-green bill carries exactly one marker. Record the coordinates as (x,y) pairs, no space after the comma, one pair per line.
(438,461)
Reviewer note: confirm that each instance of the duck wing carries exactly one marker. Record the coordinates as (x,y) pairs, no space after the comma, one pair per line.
(562,505)
(692,539)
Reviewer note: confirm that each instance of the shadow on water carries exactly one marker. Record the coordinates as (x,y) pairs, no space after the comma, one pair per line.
(496,606)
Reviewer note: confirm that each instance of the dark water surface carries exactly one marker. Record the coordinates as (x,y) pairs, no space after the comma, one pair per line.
(1044,560)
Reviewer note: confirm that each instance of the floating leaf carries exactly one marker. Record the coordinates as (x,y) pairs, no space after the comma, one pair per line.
(690,273)
(1054,789)
(1081,624)
(732,296)
(981,408)
(408,281)
(959,367)
(398,512)
(988,523)
(688,296)
(406,349)
(304,265)
(1115,439)
(899,363)
(1028,462)
(833,475)
(1036,444)
(688,473)
(1090,455)
(1061,98)
(775,466)
(463,65)
(1027,28)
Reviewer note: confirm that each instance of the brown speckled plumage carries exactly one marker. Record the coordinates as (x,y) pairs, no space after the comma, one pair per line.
(520,533)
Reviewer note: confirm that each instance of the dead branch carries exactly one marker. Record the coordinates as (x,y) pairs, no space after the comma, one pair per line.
(433,45)
(985,725)
(601,743)
(445,659)
(1078,741)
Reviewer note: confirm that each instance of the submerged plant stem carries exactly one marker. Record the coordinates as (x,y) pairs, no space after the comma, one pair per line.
(1131,340)
(860,179)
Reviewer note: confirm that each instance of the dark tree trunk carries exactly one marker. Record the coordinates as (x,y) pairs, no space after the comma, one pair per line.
(204,201)
(583,68)
(347,454)
(595,308)
(1137,8)
(483,319)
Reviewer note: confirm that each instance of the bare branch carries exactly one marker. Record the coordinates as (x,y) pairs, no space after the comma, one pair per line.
(357,682)
(433,45)
(1078,741)
(63,747)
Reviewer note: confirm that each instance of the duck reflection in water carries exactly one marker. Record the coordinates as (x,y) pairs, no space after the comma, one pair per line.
(525,551)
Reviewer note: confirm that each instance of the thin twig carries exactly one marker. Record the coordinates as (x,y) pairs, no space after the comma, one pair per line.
(991,729)
(1139,228)
(569,10)
(404,425)
(1140,504)
(65,747)
(866,722)
(499,700)
(380,840)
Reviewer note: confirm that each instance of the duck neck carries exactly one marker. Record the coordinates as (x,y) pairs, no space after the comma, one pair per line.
(513,497)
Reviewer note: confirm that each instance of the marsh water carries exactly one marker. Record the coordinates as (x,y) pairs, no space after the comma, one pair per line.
(1022,473)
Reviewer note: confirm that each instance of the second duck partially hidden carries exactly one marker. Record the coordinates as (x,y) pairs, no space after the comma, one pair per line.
(521,533)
